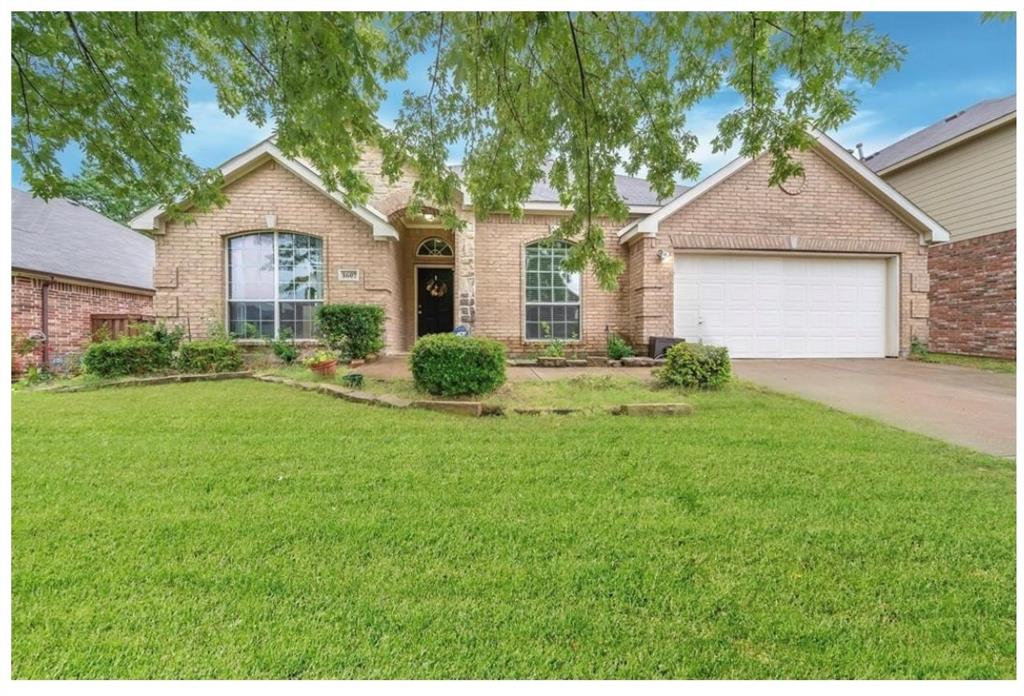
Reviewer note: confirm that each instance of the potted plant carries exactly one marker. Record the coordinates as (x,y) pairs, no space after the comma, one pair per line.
(322,362)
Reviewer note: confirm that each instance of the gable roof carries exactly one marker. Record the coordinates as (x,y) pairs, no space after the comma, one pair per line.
(636,192)
(265,151)
(832,152)
(989,113)
(63,238)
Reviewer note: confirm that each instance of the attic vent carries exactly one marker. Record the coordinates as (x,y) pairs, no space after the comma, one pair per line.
(950,118)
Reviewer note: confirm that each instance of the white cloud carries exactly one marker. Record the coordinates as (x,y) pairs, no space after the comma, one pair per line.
(217,136)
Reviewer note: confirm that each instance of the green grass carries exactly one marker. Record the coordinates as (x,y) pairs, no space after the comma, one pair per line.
(241,529)
(978,363)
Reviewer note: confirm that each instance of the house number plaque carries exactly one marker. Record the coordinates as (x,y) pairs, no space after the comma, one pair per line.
(348,275)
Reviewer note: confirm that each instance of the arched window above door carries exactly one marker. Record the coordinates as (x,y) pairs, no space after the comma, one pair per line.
(434,246)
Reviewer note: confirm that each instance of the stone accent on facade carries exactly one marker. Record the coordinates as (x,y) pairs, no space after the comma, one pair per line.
(465,275)
(70,307)
(974,296)
(831,214)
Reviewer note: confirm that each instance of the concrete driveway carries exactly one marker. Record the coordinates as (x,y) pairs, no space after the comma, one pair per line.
(957,404)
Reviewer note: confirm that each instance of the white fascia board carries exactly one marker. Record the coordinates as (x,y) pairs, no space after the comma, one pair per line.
(242,163)
(932,230)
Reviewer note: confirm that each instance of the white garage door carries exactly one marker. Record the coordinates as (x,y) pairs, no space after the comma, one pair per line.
(778,306)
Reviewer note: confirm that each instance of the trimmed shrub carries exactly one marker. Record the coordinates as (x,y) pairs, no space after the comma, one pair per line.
(354,330)
(618,348)
(209,356)
(125,356)
(449,365)
(695,366)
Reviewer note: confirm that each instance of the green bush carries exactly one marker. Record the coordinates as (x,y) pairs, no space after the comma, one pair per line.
(618,348)
(284,347)
(695,366)
(168,338)
(133,355)
(448,365)
(354,330)
(209,356)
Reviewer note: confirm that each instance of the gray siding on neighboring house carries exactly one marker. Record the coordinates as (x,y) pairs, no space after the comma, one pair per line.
(970,188)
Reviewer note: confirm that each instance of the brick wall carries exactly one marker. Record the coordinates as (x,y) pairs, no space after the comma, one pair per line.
(190,258)
(830,214)
(974,296)
(500,241)
(70,307)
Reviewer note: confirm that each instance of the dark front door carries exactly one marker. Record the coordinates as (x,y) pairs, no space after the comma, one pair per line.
(435,309)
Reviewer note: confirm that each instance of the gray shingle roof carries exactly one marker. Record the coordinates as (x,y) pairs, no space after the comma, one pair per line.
(63,238)
(634,190)
(950,127)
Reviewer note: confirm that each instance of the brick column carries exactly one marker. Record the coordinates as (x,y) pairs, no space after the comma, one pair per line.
(650,287)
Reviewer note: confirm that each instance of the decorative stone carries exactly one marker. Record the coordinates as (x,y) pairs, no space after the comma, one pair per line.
(545,361)
(520,362)
(463,408)
(638,362)
(676,409)
(614,363)
(596,361)
(356,362)
(539,411)
(576,362)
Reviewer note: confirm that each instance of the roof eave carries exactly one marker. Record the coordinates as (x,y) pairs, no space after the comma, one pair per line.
(238,166)
(947,144)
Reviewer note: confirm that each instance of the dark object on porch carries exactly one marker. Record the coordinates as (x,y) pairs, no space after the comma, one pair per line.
(657,345)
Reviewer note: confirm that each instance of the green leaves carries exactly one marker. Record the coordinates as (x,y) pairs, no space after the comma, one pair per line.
(570,96)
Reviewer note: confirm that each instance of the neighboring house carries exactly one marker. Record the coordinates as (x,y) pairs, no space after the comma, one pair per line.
(71,269)
(962,171)
(832,265)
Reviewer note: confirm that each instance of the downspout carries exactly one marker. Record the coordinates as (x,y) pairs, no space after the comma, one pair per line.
(44,292)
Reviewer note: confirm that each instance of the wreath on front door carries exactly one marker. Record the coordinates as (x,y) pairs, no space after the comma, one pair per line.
(437,288)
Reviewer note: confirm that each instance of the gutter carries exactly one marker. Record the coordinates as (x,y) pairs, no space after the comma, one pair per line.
(44,293)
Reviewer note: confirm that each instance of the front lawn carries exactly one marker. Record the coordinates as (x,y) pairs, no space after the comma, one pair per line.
(241,529)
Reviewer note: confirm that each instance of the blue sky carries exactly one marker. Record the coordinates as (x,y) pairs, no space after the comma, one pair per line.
(954,61)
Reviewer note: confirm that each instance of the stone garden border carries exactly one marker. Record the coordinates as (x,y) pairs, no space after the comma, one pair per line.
(474,409)
(147,381)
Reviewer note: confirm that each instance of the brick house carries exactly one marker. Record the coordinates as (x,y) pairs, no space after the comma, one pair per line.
(835,264)
(71,270)
(963,172)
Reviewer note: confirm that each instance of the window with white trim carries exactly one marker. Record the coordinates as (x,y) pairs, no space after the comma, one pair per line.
(434,246)
(275,284)
(552,293)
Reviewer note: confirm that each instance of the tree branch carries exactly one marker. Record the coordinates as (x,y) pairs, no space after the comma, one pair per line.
(586,120)
(24,101)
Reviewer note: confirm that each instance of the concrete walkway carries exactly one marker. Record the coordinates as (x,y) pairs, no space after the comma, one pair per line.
(961,405)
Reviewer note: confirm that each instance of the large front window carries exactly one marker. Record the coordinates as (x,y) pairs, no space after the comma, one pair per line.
(275,284)
(552,293)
